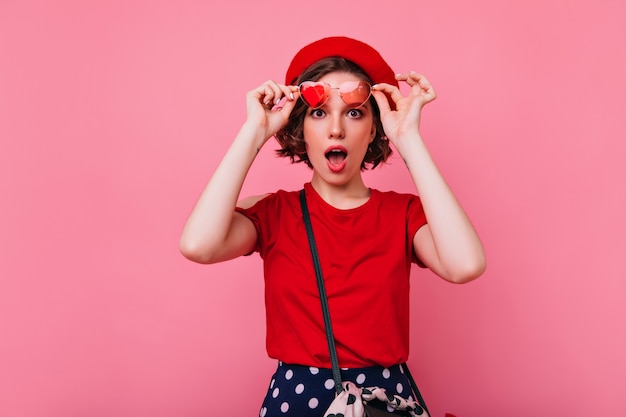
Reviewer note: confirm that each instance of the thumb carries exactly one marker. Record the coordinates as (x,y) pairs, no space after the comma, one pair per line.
(279,115)
(382,101)
(387,96)
(285,106)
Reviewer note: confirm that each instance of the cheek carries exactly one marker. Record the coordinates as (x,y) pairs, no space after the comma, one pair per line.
(311,133)
(368,131)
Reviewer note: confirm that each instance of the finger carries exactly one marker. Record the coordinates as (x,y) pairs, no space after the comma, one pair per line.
(270,93)
(423,82)
(280,92)
(382,101)
(289,91)
(285,106)
(410,77)
(259,94)
(289,94)
(391,91)
(402,76)
(413,79)
(278,117)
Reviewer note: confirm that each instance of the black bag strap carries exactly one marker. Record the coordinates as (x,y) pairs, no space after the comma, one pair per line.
(320,285)
(324,301)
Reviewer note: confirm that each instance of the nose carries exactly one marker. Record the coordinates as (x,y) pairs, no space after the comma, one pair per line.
(336,130)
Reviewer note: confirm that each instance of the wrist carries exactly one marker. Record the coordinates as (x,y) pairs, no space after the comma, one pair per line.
(253,134)
(408,142)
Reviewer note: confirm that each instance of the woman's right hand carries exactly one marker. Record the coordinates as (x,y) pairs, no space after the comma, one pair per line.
(269,106)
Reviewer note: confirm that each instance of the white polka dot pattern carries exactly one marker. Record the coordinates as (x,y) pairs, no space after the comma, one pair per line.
(296,390)
(329,384)
(313,403)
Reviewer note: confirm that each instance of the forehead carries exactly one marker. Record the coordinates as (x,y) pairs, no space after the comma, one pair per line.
(338,77)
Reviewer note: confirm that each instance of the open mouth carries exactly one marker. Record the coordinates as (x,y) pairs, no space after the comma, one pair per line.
(336,157)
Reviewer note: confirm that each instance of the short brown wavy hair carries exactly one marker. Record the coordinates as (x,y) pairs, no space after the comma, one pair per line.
(291,138)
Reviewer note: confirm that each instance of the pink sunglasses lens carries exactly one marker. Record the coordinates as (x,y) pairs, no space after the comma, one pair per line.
(354,93)
(314,94)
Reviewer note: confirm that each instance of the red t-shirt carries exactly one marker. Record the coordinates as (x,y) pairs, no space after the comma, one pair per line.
(365,255)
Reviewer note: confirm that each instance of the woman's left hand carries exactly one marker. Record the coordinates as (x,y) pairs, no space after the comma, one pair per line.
(448,243)
(405,118)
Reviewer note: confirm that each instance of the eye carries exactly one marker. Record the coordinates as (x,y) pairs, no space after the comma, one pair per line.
(355,113)
(317,113)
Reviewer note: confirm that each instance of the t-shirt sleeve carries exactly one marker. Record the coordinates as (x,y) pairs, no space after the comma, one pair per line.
(254,213)
(416,219)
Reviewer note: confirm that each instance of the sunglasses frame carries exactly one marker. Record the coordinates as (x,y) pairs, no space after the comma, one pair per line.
(328,88)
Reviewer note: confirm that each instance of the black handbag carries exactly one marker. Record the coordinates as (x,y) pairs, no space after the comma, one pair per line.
(347,393)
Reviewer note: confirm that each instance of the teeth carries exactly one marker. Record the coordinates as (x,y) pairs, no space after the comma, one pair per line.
(335,152)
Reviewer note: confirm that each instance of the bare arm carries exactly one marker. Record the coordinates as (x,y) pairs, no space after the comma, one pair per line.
(448,244)
(214,232)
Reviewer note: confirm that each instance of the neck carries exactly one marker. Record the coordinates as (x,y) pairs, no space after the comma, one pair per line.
(342,196)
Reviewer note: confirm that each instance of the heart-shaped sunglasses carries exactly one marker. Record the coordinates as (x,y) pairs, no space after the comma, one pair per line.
(353,93)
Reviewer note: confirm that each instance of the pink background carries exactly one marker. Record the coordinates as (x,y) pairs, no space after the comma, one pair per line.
(113,114)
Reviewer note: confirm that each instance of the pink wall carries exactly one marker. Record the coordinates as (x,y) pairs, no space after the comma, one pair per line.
(114,113)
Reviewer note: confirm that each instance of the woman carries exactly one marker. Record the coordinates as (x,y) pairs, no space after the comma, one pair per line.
(338,110)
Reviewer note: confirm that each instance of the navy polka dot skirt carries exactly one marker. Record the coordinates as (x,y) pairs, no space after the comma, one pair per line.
(303,391)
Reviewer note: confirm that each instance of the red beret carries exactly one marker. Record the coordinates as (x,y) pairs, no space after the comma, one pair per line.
(353,50)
